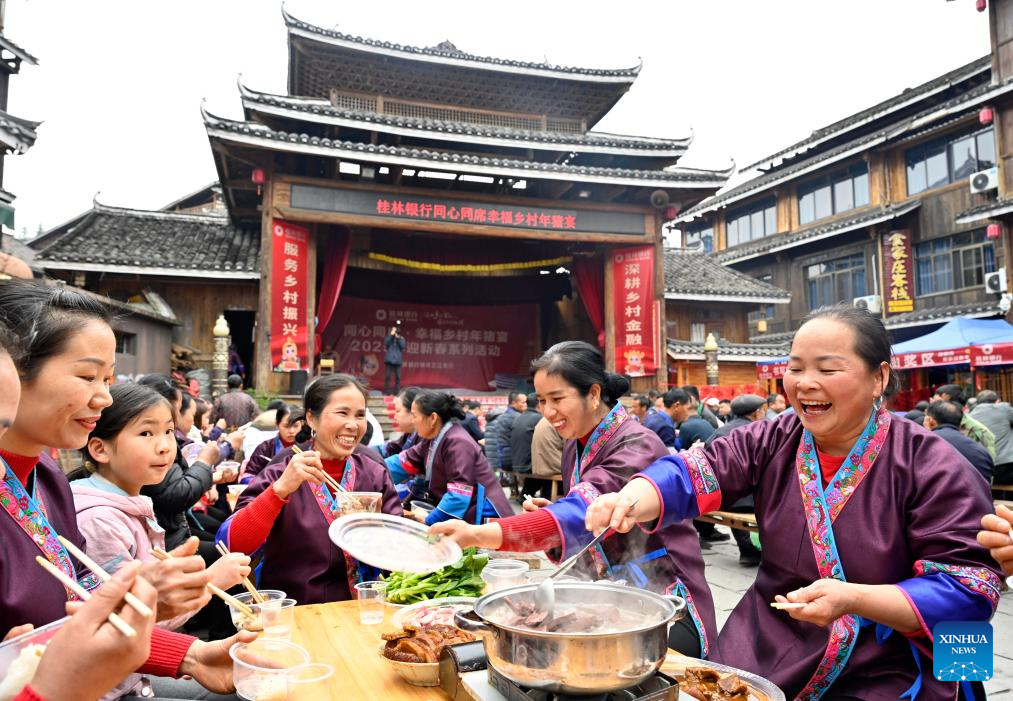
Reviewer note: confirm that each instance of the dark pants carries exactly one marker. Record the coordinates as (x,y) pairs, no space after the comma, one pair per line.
(1003,474)
(394,370)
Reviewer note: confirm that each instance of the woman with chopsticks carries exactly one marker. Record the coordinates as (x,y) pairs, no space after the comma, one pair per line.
(604,448)
(868,525)
(65,365)
(448,467)
(286,510)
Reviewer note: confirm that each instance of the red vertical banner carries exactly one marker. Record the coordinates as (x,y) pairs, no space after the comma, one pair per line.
(898,276)
(289,304)
(636,315)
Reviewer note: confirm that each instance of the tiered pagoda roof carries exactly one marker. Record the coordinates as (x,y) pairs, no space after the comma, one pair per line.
(439,118)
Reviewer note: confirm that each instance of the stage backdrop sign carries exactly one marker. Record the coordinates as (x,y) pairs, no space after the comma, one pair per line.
(288,296)
(635,311)
(448,346)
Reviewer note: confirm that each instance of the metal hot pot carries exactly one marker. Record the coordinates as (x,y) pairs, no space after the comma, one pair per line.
(613,657)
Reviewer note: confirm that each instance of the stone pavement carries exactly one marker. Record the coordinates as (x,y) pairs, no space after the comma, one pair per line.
(729,581)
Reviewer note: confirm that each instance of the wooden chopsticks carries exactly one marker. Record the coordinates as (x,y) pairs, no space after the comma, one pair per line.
(134,603)
(331,482)
(258,598)
(786,605)
(114,618)
(220,593)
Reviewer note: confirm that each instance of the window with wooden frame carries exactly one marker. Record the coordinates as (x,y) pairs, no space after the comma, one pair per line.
(751,223)
(949,159)
(953,263)
(833,193)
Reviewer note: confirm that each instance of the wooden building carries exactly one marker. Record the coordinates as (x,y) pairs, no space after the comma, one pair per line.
(868,210)
(442,188)
(17,134)
(703,297)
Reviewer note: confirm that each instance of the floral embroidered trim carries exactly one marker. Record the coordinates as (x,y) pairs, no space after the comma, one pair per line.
(588,493)
(843,634)
(604,431)
(980,580)
(329,508)
(705,482)
(679,589)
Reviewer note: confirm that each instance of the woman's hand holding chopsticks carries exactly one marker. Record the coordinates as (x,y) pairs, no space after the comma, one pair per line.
(88,656)
(304,466)
(182,582)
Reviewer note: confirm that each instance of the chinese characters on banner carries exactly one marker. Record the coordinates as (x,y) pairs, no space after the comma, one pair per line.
(288,296)
(991,354)
(448,345)
(898,280)
(771,369)
(635,311)
(506,216)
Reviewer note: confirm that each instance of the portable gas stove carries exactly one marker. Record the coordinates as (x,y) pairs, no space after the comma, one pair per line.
(660,687)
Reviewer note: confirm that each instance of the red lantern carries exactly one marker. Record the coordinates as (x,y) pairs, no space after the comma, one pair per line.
(981,5)
(670,213)
(986,116)
(993,231)
(258,176)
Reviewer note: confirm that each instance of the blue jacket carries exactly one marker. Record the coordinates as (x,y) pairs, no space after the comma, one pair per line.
(661,423)
(394,346)
(973,452)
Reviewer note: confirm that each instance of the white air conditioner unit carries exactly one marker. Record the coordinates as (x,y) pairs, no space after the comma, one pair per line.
(984,180)
(873,303)
(995,283)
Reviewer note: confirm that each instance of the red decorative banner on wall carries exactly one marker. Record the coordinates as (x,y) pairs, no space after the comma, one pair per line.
(448,346)
(991,354)
(636,320)
(898,275)
(288,296)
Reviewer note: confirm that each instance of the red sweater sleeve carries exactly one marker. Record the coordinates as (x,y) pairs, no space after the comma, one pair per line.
(530,531)
(28,694)
(250,526)
(167,652)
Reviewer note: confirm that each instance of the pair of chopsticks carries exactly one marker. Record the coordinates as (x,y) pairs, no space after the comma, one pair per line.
(331,482)
(232,601)
(258,598)
(114,618)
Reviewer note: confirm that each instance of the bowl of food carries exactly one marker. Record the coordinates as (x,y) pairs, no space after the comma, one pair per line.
(260,668)
(20,657)
(358,502)
(433,612)
(255,623)
(421,509)
(414,652)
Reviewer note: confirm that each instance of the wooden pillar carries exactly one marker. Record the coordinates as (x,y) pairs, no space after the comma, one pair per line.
(262,338)
(610,313)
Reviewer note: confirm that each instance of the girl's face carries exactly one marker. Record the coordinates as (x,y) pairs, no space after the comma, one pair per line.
(341,425)
(141,453)
(186,418)
(404,420)
(426,425)
(61,405)
(288,429)
(569,412)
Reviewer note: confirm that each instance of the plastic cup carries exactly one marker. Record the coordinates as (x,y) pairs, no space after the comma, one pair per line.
(371,597)
(309,682)
(233,495)
(278,616)
(502,574)
(241,622)
(260,668)
(421,509)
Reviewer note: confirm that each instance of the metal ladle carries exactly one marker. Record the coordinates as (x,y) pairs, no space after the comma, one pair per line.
(545,594)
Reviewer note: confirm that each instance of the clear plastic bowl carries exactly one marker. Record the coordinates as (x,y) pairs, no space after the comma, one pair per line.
(260,669)
(359,502)
(501,574)
(19,657)
(421,509)
(247,598)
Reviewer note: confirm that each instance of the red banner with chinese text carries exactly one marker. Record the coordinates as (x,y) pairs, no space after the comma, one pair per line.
(952,356)
(898,276)
(447,346)
(771,370)
(992,354)
(289,256)
(636,318)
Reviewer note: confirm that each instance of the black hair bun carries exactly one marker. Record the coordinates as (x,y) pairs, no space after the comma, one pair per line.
(616,385)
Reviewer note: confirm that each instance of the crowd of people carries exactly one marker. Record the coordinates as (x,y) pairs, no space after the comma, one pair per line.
(917,543)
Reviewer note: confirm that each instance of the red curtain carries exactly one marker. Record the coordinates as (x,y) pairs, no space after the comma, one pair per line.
(589,276)
(335,266)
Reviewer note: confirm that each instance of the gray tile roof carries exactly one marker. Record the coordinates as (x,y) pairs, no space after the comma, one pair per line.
(907,97)
(815,232)
(939,315)
(19,53)
(447,50)
(113,236)
(16,133)
(316,107)
(744,352)
(993,208)
(693,275)
(675,177)
(923,122)
(782,340)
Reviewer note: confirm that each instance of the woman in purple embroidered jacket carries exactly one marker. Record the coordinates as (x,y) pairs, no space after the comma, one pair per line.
(286,509)
(289,420)
(866,518)
(404,423)
(448,467)
(580,400)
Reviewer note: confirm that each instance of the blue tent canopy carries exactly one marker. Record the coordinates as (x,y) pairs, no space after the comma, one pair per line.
(959,333)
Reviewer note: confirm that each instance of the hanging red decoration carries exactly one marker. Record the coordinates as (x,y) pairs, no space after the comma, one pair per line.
(986,115)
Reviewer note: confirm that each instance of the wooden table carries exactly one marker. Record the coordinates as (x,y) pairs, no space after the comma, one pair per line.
(332,634)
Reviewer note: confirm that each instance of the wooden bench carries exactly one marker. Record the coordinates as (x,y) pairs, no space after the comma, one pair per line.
(732,519)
